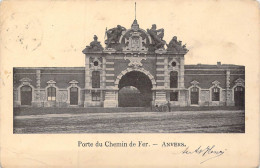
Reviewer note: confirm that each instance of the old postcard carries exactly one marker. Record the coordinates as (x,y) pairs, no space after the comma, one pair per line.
(129,84)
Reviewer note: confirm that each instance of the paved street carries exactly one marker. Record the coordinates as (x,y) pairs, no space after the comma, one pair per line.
(133,122)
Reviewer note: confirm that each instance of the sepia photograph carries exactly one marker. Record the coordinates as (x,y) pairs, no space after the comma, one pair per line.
(100,84)
(137,82)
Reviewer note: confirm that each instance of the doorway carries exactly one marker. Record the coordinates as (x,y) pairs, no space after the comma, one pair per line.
(26,95)
(135,90)
(194,96)
(239,96)
(74,96)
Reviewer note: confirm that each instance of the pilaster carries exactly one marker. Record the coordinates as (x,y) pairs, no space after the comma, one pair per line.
(87,73)
(160,98)
(104,73)
(110,71)
(37,95)
(87,92)
(229,101)
(111,98)
(181,73)
(166,73)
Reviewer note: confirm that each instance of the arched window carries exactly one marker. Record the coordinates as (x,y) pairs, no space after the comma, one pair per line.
(194,97)
(74,96)
(51,94)
(215,94)
(95,79)
(239,96)
(173,79)
(26,95)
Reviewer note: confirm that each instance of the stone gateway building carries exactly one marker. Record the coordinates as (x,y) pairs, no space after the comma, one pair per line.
(136,68)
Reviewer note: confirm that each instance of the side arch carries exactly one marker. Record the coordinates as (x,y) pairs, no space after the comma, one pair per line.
(25,82)
(73,83)
(239,82)
(194,84)
(217,85)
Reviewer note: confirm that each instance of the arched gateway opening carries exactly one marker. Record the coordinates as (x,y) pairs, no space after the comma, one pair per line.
(135,90)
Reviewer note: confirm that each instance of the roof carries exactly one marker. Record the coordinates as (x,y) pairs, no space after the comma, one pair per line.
(50,68)
(220,66)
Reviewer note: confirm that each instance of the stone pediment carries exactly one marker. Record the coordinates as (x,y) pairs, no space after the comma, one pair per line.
(240,82)
(194,83)
(73,82)
(25,81)
(51,83)
(215,83)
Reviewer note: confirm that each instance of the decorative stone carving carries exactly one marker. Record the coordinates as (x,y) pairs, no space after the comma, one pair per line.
(160,51)
(173,60)
(194,83)
(135,25)
(94,46)
(176,46)
(38,78)
(135,60)
(216,83)
(38,84)
(240,82)
(135,43)
(73,83)
(51,83)
(109,50)
(113,35)
(95,63)
(25,81)
(157,37)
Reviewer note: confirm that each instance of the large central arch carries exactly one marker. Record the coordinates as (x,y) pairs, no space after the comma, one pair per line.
(135,88)
(147,73)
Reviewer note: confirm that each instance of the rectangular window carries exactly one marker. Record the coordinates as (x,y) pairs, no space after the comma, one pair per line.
(95,79)
(215,94)
(51,95)
(174,96)
(95,96)
(173,79)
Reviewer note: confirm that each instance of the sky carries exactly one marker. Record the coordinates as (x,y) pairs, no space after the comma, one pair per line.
(54,33)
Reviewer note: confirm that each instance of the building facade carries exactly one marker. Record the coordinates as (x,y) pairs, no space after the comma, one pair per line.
(136,68)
